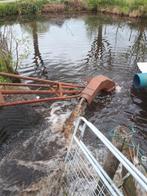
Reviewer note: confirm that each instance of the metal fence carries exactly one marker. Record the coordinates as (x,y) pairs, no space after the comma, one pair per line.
(83,173)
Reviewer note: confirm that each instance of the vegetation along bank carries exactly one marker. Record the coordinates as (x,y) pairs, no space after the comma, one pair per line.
(6,62)
(132,8)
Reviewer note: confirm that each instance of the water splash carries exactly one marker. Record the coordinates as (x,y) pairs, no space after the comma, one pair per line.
(36,153)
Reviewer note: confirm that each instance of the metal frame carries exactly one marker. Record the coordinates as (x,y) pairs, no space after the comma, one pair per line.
(84,173)
(54,89)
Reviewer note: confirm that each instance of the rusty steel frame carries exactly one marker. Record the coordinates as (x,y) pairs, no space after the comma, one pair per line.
(34,85)
(38,100)
(58,90)
(39,80)
(41,92)
(61,90)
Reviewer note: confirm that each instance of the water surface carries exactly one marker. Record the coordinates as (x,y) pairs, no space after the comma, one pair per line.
(74,49)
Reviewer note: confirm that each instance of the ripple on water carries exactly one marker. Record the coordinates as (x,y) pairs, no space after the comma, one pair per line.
(74,50)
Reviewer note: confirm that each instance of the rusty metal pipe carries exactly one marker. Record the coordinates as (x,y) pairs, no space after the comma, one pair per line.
(38,79)
(32,85)
(8,92)
(24,84)
(38,100)
(97,84)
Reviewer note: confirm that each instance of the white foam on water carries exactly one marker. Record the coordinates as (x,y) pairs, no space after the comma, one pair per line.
(59,113)
(118,89)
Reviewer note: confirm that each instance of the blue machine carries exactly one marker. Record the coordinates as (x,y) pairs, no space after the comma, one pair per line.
(140,79)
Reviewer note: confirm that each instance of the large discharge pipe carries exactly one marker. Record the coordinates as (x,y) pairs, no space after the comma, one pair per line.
(96,85)
(140,80)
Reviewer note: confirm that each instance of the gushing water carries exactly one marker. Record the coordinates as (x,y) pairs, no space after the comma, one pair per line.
(33,155)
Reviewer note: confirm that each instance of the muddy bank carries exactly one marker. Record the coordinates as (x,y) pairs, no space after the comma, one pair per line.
(32,148)
(67,7)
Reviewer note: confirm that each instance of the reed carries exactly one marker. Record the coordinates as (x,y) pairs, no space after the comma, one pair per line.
(6,61)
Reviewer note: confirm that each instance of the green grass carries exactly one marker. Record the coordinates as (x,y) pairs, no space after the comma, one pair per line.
(21,7)
(121,6)
(34,7)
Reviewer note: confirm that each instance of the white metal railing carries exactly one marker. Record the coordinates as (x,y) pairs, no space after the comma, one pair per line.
(84,175)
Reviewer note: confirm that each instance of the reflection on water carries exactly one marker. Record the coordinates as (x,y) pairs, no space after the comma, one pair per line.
(75,49)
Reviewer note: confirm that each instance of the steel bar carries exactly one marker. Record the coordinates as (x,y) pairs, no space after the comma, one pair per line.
(38,79)
(60,90)
(80,162)
(7,92)
(74,86)
(38,100)
(24,84)
(32,85)
(138,176)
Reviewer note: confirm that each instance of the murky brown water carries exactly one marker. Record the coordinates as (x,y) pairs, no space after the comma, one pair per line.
(77,48)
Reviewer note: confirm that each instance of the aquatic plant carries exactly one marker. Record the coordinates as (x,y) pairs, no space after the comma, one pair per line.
(6,62)
(5,57)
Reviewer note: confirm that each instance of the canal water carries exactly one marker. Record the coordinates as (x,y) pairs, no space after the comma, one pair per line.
(76,48)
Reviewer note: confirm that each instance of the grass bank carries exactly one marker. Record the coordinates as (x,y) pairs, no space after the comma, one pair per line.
(36,7)
(21,7)
(132,8)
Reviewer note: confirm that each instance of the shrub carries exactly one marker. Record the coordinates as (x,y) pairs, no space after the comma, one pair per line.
(24,7)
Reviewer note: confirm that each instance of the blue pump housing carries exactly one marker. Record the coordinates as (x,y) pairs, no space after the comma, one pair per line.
(140,80)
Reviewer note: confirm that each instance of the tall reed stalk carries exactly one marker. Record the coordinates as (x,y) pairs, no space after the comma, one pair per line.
(6,62)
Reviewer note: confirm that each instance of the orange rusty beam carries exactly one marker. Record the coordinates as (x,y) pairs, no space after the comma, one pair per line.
(38,100)
(33,85)
(24,84)
(7,92)
(38,79)
(97,84)
(60,90)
